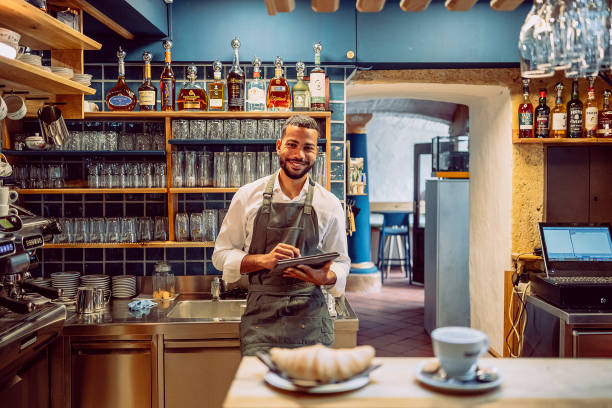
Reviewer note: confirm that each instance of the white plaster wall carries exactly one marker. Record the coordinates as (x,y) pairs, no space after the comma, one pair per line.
(490,188)
(391,139)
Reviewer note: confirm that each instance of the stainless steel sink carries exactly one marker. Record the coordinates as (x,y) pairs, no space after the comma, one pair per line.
(217,310)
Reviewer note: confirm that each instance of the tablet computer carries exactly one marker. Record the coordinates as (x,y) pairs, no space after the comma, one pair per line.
(314,261)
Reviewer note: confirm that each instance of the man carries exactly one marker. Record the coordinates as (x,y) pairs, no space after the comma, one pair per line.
(277,217)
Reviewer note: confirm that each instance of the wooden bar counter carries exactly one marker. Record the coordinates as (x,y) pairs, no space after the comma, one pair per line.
(526,383)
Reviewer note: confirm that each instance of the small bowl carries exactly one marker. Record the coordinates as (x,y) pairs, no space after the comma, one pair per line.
(35,143)
(9,37)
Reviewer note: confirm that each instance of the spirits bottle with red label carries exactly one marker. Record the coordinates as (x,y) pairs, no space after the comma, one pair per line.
(542,117)
(525,113)
(121,97)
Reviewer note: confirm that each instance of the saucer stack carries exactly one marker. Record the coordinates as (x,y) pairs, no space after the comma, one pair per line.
(124,286)
(97,281)
(63,72)
(83,79)
(31,59)
(67,281)
(46,283)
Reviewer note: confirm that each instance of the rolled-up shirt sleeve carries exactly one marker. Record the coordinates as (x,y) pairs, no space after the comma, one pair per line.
(230,243)
(334,240)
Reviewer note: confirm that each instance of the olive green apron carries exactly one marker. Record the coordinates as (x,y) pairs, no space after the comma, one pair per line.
(284,312)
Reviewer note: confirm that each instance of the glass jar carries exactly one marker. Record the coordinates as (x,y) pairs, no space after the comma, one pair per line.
(163,281)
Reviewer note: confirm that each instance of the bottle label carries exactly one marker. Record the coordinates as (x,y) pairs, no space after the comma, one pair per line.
(146,98)
(119,100)
(167,92)
(542,126)
(525,120)
(277,88)
(590,118)
(575,121)
(300,99)
(256,96)
(317,87)
(191,105)
(215,103)
(235,92)
(559,121)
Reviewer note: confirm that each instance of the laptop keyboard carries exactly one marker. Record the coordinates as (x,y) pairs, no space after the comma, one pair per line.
(580,279)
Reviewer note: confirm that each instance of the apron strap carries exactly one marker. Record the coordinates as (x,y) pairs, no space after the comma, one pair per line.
(267,195)
(308,202)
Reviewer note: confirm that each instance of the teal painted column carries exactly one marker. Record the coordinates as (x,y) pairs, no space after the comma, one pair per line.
(359,242)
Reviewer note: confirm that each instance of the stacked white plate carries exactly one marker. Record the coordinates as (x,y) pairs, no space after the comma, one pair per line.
(31,59)
(45,68)
(124,286)
(83,79)
(67,281)
(42,282)
(63,71)
(97,281)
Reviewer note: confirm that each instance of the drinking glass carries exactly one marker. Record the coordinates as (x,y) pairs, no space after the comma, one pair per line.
(204,176)
(126,141)
(136,175)
(113,230)
(231,129)
(56,176)
(160,175)
(249,167)
(214,129)
(178,164)
(530,50)
(249,129)
(278,128)
(111,141)
(63,236)
(146,228)
(181,224)
(116,174)
(97,228)
(263,164)
(265,129)
(319,172)
(142,142)
(161,229)
(189,178)
(220,169)
(234,169)
(274,162)
(210,223)
(197,129)
(147,175)
(195,227)
(128,229)
(180,129)
(36,176)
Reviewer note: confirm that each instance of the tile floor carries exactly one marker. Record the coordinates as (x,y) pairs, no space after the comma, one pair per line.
(392,320)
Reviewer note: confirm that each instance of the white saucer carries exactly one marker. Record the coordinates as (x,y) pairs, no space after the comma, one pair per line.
(276,381)
(455,385)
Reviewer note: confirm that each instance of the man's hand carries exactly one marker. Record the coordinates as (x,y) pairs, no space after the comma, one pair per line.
(322,276)
(253,263)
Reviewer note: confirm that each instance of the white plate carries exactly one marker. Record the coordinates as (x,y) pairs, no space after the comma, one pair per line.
(277,381)
(454,385)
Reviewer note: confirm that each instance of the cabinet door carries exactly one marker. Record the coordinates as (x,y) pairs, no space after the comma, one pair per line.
(601,184)
(111,374)
(199,373)
(567,184)
(590,344)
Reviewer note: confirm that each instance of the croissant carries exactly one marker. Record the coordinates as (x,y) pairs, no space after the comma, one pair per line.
(320,363)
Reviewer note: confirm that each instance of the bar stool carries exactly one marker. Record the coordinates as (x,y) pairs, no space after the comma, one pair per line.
(396,226)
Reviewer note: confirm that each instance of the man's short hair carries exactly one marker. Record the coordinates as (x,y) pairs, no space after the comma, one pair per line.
(302,121)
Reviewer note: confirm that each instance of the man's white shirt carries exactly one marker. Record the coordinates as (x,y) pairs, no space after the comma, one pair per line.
(236,232)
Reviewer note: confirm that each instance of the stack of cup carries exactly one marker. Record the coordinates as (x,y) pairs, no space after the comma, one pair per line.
(7,197)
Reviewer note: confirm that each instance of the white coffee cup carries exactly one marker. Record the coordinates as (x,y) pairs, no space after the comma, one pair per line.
(3,109)
(16,107)
(8,196)
(6,209)
(458,350)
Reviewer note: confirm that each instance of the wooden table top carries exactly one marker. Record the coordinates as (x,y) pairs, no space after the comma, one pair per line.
(527,383)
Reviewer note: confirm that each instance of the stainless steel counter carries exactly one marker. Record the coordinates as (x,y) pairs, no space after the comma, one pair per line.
(572,316)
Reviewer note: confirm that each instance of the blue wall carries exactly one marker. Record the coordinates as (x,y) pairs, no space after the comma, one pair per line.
(202,31)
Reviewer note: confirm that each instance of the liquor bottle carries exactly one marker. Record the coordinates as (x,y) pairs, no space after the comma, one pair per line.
(317,82)
(215,89)
(279,95)
(590,111)
(121,97)
(192,97)
(167,81)
(604,125)
(542,117)
(559,116)
(525,113)
(300,91)
(256,90)
(147,92)
(235,82)
(574,113)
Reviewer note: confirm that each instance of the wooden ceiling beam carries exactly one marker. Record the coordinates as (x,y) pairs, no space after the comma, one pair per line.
(325,6)
(414,5)
(271,7)
(97,14)
(370,6)
(459,5)
(284,6)
(505,5)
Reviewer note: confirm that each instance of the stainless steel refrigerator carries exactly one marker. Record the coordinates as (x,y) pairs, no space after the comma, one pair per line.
(447,235)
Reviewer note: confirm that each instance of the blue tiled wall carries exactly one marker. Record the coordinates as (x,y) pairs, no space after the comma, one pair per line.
(184,261)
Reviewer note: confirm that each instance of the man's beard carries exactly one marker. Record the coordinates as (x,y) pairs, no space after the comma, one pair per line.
(292,174)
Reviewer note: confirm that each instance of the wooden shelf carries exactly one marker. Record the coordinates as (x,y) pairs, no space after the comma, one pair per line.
(191,142)
(197,190)
(453,174)
(203,115)
(151,244)
(36,78)
(78,153)
(564,141)
(527,257)
(40,31)
(93,191)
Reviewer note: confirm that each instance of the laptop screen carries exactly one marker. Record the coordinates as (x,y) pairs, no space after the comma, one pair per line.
(566,243)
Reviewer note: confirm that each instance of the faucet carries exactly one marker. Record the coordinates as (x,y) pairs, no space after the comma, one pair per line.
(215,288)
